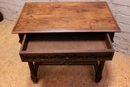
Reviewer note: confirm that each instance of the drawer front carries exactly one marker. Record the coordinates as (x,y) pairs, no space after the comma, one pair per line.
(95,48)
(66,58)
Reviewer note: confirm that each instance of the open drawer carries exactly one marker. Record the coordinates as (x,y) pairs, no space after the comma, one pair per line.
(66,47)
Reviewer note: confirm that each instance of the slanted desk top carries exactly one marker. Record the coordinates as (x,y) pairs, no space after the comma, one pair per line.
(50,17)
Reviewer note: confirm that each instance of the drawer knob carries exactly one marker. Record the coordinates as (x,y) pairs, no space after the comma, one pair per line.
(67,57)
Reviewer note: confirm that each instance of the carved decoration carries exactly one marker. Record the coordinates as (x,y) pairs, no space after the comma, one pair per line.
(65,57)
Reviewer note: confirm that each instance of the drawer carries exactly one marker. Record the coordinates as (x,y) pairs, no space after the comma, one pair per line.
(66,48)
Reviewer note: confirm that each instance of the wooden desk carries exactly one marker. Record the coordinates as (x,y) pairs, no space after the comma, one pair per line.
(66,33)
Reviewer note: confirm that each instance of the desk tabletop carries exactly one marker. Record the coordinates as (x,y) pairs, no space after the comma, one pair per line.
(53,17)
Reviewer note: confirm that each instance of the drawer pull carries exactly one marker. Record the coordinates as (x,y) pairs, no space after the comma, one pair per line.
(66,60)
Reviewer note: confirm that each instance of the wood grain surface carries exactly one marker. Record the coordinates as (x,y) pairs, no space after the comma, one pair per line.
(48,17)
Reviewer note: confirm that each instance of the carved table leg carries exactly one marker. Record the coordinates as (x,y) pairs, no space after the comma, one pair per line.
(33,71)
(98,75)
(20,38)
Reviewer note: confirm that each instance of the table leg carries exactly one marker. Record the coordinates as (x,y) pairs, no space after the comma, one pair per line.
(33,70)
(20,38)
(98,75)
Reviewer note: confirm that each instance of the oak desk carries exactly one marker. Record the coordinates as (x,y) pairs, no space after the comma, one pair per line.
(66,33)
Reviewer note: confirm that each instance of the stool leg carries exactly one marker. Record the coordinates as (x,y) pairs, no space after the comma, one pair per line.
(33,72)
(98,75)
